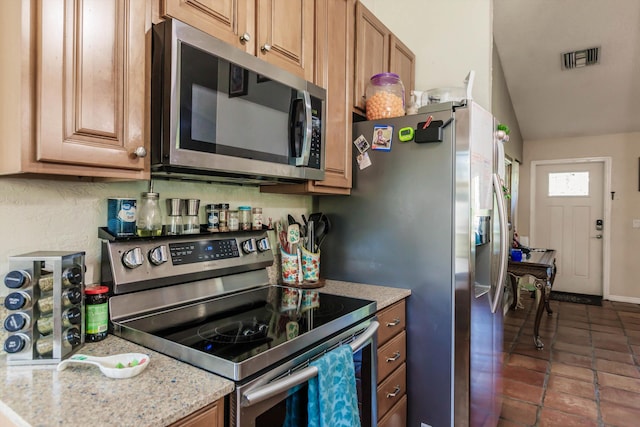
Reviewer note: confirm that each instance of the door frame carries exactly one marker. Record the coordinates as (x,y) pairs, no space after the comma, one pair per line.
(606,209)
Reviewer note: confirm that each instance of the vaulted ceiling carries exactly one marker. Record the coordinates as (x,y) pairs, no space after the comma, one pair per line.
(551,102)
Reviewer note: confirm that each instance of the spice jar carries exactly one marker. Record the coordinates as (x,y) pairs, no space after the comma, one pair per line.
(149,221)
(385,96)
(70,297)
(256,219)
(70,338)
(233,220)
(244,213)
(213,221)
(223,217)
(70,317)
(96,313)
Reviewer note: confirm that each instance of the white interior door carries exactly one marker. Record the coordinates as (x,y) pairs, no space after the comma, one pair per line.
(567,215)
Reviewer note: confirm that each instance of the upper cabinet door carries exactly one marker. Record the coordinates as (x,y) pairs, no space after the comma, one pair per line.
(285,35)
(403,62)
(372,51)
(91,83)
(228,20)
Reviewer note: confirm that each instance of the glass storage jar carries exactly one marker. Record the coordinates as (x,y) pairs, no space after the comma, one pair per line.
(213,217)
(149,221)
(244,213)
(223,217)
(384,96)
(233,220)
(256,219)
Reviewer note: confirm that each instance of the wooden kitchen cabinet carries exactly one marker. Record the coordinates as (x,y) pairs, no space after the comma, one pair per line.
(278,31)
(75,84)
(334,72)
(211,415)
(392,369)
(378,50)
(402,61)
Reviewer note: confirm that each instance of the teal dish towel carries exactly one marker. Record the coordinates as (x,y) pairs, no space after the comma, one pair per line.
(333,400)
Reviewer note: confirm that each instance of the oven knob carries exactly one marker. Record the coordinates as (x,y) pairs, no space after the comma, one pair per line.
(133,258)
(249,246)
(158,255)
(263,244)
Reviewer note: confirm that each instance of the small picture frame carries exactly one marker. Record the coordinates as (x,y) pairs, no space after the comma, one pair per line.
(382,137)
(362,144)
(238,80)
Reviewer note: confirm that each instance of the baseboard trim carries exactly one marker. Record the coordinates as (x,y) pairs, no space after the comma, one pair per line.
(576,298)
(620,298)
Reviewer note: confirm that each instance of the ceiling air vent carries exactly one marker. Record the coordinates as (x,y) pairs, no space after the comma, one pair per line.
(580,58)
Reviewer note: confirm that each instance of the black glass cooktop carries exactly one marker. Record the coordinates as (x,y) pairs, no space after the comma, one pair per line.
(240,327)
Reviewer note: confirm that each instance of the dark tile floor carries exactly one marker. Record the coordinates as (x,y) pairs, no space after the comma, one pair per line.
(586,375)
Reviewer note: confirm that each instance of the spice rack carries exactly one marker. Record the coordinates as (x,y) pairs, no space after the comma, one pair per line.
(46,320)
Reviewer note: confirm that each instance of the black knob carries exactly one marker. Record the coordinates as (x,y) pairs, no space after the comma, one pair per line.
(73,336)
(16,300)
(73,295)
(16,279)
(72,275)
(15,322)
(15,344)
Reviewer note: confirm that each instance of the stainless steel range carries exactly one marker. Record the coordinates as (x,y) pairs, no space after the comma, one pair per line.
(206,300)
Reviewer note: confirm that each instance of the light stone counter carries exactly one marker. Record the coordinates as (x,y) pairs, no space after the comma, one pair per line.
(81,395)
(382,295)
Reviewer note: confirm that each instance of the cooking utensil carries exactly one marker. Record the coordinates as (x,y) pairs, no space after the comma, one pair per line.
(125,365)
(321,234)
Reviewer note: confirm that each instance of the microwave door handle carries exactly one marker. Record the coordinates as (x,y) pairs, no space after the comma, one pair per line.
(268,390)
(302,156)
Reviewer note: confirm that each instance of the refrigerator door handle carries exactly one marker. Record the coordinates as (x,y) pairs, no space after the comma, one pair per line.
(504,250)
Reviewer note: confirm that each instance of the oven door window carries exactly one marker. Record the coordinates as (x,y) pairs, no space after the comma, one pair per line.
(226,109)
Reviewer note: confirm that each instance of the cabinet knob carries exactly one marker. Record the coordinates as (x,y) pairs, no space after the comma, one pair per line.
(266,47)
(245,37)
(140,152)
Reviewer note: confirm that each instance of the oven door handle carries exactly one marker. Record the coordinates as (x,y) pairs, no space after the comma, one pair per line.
(265,392)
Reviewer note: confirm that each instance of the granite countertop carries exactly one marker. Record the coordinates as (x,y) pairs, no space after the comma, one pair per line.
(81,395)
(383,296)
(165,392)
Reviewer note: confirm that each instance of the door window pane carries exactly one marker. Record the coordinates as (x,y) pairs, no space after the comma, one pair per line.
(564,184)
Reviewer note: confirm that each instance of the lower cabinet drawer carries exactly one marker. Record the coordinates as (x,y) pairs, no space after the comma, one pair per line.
(392,321)
(391,390)
(397,416)
(391,355)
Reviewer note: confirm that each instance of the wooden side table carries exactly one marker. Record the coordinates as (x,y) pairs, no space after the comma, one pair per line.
(541,265)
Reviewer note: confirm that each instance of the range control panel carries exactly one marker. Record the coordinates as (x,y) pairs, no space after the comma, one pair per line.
(143,263)
(203,250)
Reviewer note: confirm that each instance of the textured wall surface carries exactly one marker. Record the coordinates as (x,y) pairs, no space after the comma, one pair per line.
(52,215)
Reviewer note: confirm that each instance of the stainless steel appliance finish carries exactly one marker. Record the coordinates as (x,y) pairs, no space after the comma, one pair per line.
(430,217)
(221,114)
(206,300)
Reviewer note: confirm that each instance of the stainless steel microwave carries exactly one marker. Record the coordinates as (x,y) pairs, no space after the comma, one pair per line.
(220,114)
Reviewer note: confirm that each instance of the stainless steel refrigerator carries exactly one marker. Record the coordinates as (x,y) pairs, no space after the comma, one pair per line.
(430,216)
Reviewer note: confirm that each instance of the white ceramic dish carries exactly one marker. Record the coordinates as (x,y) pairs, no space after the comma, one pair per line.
(125,365)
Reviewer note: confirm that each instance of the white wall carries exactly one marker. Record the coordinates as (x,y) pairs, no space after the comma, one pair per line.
(624,150)
(64,216)
(448,37)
